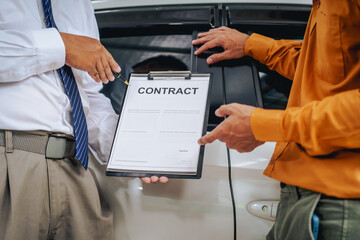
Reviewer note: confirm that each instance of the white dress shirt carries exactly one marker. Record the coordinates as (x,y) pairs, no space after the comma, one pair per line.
(31,93)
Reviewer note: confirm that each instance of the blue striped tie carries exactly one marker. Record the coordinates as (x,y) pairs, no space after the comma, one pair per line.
(71,89)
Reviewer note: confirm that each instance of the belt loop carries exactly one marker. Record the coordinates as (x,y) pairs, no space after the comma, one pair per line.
(9,142)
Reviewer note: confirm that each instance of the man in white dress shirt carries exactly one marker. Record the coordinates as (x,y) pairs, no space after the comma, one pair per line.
(45,192)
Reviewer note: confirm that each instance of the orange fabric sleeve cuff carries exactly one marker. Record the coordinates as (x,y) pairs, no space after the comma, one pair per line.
(257,47)
(266,125)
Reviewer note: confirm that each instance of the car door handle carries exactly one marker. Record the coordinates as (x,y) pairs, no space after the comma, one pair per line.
(263,208)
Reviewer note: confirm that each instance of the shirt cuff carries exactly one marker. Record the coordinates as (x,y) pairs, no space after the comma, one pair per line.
(266,125)
(257,47)
(50,49)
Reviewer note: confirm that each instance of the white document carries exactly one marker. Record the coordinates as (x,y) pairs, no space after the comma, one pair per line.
(160,123)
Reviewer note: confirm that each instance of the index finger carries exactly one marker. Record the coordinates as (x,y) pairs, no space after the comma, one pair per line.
(211,136)
(207,45)
(199,41)
(209,33)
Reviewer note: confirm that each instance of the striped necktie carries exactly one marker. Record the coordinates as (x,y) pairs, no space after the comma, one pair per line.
(71,89)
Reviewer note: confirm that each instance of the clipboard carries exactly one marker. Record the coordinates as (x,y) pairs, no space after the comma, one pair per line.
(163,115)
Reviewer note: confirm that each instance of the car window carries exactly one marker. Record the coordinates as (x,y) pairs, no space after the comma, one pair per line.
(135,49)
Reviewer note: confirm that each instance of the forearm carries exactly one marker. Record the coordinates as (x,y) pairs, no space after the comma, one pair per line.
(279,55)
(320,127)
(27,53)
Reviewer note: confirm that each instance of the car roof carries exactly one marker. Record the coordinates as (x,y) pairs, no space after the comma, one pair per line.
(106,4)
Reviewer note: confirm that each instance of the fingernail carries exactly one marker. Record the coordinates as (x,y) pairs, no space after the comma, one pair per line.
(210,61)
(218,113)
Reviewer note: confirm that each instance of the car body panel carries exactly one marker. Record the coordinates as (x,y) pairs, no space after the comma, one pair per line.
(192,209)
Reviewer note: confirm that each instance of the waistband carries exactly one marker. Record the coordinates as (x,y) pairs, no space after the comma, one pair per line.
(52,145)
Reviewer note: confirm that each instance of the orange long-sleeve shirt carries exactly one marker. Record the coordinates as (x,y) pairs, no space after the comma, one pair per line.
(318,135)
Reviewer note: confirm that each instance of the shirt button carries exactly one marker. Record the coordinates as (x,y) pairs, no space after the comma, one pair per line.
(52,65)
(44,20)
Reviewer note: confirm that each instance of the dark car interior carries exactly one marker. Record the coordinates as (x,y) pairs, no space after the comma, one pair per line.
(135,35)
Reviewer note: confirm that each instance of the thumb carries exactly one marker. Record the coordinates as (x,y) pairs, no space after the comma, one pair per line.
(223,111)
(217,57)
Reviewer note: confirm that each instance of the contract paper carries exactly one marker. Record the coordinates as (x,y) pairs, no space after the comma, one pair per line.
(159,125)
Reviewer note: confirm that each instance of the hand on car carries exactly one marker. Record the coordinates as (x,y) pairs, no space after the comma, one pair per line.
(231,40)
(154,179)
(235,130)
(89,55)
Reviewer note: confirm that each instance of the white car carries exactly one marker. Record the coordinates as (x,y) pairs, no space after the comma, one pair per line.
(232,200)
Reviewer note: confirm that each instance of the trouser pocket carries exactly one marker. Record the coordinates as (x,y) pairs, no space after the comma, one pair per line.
(295,210)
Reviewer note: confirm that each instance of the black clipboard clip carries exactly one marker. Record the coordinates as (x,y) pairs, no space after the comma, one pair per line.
(154,75)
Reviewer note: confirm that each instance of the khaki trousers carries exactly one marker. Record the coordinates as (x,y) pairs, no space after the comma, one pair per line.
(49,199)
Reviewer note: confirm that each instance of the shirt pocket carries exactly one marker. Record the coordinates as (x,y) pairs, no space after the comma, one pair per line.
(329,59)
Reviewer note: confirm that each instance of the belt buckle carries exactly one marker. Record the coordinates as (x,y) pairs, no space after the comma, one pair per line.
(55,147)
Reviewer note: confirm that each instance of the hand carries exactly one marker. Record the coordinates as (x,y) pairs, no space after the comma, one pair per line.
(89,55)
(231,40)
(154,179)
(235,130)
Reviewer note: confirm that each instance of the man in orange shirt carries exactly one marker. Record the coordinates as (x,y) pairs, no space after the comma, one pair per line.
(317,156)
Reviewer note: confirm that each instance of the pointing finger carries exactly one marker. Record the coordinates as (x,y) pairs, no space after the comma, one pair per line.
(211,136)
